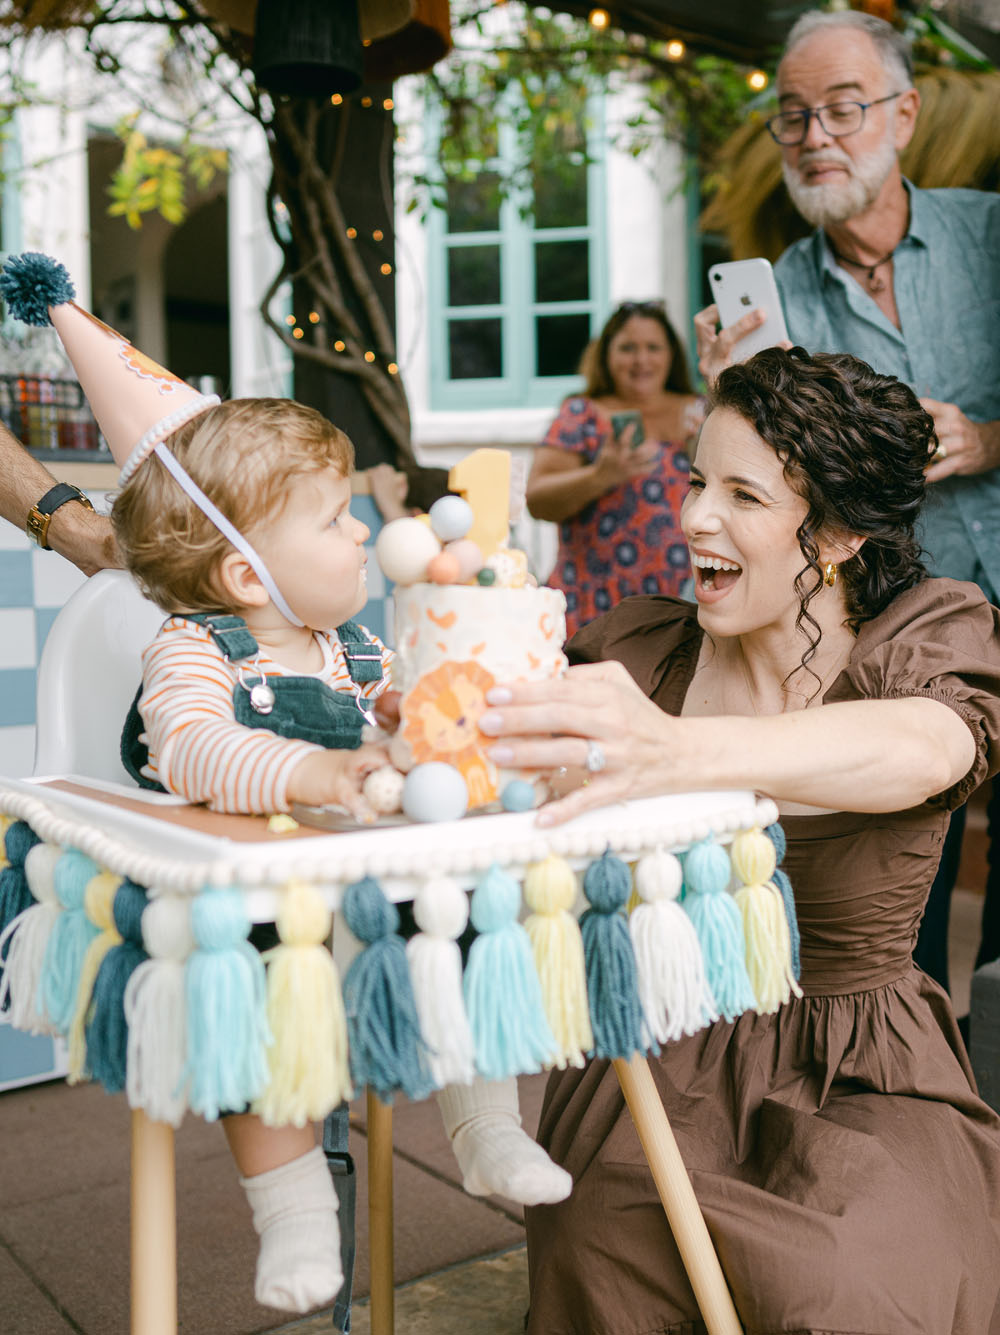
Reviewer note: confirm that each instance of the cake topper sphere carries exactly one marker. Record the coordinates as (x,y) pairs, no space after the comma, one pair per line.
(444,568)
(404,548)
(435,791)
(451,517)
(469,557)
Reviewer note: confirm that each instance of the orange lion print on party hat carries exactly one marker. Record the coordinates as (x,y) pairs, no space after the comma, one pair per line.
(440,722)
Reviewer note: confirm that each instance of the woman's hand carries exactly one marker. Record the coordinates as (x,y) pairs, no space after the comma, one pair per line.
(619,460)
(553,725)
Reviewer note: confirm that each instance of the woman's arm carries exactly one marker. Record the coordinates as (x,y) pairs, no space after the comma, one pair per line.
(562,484)
(865,755)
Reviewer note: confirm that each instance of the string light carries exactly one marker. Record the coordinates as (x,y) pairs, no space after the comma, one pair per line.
(339,346)
(336,99)
(676,50)
(314,317)
(351,233)
(366,101)
(388,104)
(599,18)
(392,368)
(369,356)
(298,333)
(377,234)
(289,319)
(386,269)
(757,80)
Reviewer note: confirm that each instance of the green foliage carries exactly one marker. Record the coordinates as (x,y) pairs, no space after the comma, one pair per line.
(151,178)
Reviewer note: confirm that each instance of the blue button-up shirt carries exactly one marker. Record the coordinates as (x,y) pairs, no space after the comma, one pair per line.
(946,280)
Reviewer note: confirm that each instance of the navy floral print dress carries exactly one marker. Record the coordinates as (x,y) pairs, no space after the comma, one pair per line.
(629,540)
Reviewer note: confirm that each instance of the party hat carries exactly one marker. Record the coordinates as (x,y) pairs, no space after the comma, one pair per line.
(136,402)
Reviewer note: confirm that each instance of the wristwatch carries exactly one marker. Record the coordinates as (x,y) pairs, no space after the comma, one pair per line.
(40,514)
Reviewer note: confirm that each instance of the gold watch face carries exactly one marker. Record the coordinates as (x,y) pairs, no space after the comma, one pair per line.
(37,526)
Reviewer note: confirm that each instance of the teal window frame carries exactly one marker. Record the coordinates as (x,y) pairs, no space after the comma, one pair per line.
(517,309)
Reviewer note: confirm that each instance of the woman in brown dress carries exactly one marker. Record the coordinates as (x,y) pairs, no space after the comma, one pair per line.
(847,1171)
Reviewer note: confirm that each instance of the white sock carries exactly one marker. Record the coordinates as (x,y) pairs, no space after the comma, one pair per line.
(496,1157)
(295,1215)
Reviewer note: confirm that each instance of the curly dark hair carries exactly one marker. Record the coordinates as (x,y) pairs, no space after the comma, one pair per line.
(594,362)
(854,444)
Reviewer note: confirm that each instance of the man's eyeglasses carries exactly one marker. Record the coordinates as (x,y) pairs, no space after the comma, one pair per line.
(838,119)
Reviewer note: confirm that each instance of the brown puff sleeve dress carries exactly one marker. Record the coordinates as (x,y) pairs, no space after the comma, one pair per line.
(849,1175)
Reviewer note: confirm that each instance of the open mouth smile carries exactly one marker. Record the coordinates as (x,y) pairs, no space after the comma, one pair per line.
(714,577)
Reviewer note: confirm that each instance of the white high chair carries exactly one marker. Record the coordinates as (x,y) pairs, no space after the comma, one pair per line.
(89,672)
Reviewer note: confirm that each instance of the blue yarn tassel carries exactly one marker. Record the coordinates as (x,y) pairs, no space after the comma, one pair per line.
(71,935)
(719,924)
(33,282)
(387,1052)
(612,976)
(780,879)
(227,1030)
(15,896)
(502,993)
(107,1032)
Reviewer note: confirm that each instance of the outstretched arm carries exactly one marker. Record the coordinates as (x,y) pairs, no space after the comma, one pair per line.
(866,755)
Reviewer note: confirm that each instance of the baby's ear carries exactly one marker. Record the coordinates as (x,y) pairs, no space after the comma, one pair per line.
(240,583)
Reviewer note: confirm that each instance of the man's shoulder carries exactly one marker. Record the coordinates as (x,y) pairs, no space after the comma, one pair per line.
(798,263)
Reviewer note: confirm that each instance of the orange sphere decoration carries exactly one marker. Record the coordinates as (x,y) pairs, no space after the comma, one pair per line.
(443,568)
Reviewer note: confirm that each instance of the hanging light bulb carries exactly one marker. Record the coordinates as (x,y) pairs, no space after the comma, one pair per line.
(758,80)
(599,19)
(676,50)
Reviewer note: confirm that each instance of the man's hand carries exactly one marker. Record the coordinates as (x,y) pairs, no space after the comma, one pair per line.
(83,537)
(715,346)
(964,448)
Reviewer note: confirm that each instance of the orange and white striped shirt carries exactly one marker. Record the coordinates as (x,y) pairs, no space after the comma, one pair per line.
(196,747)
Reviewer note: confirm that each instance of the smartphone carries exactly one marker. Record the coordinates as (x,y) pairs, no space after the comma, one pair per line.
(621,421)
(739,287)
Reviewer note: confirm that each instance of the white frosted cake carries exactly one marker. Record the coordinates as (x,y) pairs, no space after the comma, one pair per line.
(453,643)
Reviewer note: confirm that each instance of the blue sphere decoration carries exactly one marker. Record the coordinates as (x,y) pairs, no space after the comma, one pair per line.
(31,283)
(451,517)
(435,791)
(518,795)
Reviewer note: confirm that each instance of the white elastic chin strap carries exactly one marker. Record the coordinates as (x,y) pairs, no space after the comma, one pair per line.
(227,530)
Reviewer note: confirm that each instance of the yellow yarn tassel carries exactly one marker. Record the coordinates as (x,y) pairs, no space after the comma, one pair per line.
(5,821)
(305,1011)
(550,890)
(765,923)
(98,903)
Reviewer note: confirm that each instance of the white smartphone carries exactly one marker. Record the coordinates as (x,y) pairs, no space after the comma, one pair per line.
(739,287)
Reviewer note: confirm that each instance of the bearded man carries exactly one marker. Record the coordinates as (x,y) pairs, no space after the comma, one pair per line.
(909,281)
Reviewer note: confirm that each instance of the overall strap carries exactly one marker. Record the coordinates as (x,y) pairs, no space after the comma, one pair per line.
(229,633)
(364,662)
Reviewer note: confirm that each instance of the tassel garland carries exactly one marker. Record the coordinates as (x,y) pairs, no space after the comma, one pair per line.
(386,1050)
(673,987)
(24,943)
(308,1058)
(719,925)
(18,841)
(106,1033)
(441,910)
(72,933)
(502,991)
(765,927)
(97,901)
(777,837)
(612,977)
(550,891)
(227,1033)
(156,1013)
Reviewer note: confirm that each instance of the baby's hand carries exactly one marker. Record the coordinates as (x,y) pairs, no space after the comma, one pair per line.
(334,778)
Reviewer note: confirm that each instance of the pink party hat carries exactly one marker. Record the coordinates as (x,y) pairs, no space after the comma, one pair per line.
(136,402)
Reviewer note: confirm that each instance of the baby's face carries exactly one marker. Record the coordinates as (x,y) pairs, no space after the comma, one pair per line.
(315,551)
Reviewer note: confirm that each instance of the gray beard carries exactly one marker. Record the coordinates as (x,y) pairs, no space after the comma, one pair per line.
(822,205)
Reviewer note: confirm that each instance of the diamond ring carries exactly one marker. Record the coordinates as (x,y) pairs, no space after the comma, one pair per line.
(940,453)
(596,758)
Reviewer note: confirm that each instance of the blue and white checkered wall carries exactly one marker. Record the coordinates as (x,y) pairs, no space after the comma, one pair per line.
(34,585)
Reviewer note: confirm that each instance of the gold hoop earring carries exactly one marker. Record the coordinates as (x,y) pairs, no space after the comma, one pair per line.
(830,575)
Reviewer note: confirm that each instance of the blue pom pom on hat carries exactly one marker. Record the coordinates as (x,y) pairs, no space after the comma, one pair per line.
(33,282)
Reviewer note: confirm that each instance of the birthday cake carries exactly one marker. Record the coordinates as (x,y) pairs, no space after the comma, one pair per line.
(467,617)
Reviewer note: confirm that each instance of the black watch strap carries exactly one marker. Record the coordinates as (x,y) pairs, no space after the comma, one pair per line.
(40,514)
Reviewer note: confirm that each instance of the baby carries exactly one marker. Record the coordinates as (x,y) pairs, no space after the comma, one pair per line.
(254,696)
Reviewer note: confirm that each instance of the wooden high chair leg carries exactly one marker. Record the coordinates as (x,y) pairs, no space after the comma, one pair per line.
(679,1201)
(380,1243)
(154,1228)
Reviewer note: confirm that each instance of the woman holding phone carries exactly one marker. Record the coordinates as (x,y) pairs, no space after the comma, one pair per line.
(612,469)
